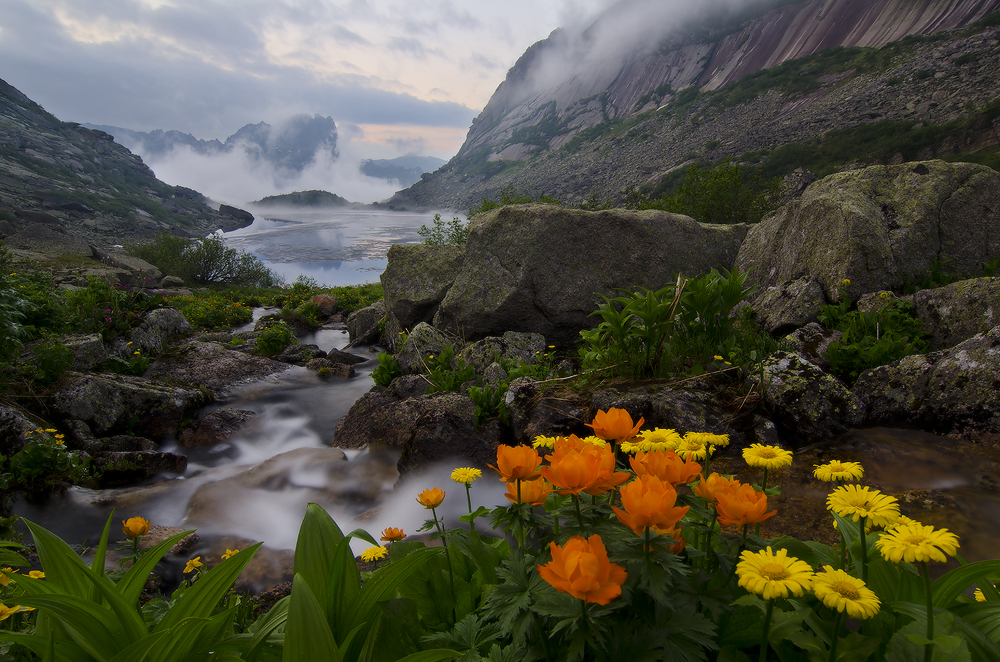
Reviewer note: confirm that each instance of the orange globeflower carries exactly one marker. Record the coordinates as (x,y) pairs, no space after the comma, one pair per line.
(744,505)
(431,497)
(679,542)
(133,527)
(649,504)
(392,534)
(534,492)
(517,463)
(709,488)
(582,468)
(615,425)
(666,465)
(582,569)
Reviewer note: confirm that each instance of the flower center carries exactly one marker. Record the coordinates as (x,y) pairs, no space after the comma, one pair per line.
(767,453)
(774,571)
(847,590)
(914,539)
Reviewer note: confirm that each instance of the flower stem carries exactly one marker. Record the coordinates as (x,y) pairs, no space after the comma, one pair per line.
(767,628)
(520,523)
(763,488)
(468,499)
(837,622)
(928,648)
(579,513)
(864,552)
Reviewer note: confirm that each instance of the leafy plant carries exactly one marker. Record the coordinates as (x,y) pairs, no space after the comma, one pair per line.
(44,464)
(441,374)
(439,234)
(386,370)
(205,261)
(274,339)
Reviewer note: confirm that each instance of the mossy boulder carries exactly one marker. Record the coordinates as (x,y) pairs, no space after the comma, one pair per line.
(956,312)
(879,227)
(414,282)
(544,268)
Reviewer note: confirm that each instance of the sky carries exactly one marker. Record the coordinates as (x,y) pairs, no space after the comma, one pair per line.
(397,76)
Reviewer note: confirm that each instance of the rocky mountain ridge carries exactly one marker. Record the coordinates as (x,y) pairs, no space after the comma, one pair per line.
(79,181)
(625,123)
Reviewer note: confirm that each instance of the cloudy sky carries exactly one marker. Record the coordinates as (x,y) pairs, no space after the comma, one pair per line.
(397,76)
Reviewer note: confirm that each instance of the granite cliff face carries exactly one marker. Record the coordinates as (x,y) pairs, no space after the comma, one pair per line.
(81,182)
(567,93)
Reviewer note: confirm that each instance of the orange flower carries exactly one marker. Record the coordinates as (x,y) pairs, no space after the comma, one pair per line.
(582,569)
(649,504)
(392,534)
(431,497)
(679,542)
(133,527)
(582,468)
(744,505)
(665,465)
(534,492)
(517,463)
(615,425)
(709,488)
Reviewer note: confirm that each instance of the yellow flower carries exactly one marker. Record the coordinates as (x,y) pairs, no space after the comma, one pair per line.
(916,542)
(771,575)
(845,282)
(767,457)
(193,565)
(541,441)
(6,612)
(692,449)
(839,590)
(229,553)
(708,438)
(466,475)
(978,594)
(657,439)
(134,527)
(4,578)
(856,501)
(373,554)
(36,574)
(50,430)
(837,470)
(136,353)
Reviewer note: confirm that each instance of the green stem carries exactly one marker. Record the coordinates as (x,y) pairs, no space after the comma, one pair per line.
(710,558)
(468,499)
(437,525)
(928,648)
(541,635)
(520,523)
(763,488)
(767,628)
(645,547)
(579,513)
(864,552)
(837,623)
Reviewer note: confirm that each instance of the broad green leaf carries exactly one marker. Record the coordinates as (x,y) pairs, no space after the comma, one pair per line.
(274,619)
(307,635)
(318,538)
(946,589)
(436,655)
(62,566)
(201,598)
(385,582)
(363,535)
(93,627)
(64,650)
(980,641)
(130,586)
(97,566)
(484,556)
(343,586)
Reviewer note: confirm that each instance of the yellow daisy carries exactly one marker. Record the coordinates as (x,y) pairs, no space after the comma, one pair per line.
(541,441)
(856,501)
(709,438)
(837,470)
(374,554)
(691,449)
(916,542)
(771,575)
(594,441)
(767,457)
(838,590)
(658,439)
(466,475)
(193,565)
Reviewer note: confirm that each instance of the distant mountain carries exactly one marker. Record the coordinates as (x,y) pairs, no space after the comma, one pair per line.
(81,180)
(404,170)
(303,199)
(292,146)
(648,88)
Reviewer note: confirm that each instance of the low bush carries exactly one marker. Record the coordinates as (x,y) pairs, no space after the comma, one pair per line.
(205,261)
(438,235)
(274,339)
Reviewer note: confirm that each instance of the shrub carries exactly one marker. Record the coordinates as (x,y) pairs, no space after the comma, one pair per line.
(212,310)
(274,339)
(205,261)
(386,370)
(454,233)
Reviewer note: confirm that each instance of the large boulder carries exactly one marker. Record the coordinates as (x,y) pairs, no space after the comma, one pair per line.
(956,312)
(215,427)
(112,403)
(212,366)
(543,268)
(151,335)
(878,227)
(414,282)
(363,324)
(952,391)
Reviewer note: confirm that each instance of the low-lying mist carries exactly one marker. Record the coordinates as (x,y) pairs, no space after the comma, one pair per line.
(237,179)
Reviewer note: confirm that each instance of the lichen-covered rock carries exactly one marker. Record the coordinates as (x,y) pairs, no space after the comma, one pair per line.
(151,335)
(692,409)
(215,427)
(784,307)
(15,426)
(109,403)
(951,391)
(414,282)
(956,312)
(543,268)
(517,346)
(212,366)
(338,356)
(299,354)
(88,351)
(533,414)
(808,404)
(811,341)
(363,324)
(879,227)
(421,343)
(116,469)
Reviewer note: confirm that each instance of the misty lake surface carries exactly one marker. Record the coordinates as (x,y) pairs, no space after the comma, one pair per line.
(334,246)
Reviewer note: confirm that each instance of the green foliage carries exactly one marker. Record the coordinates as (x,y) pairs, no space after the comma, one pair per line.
(135,363)
(212,310)
(678,328)
(44,465)
(443,376)
(386,370)
(594,202)
(871,338)
(724,194)
(52,361)
(13,311)
(108,309)
(966,59)
(510,196)
(454,233)
(274,339)
(205,261)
